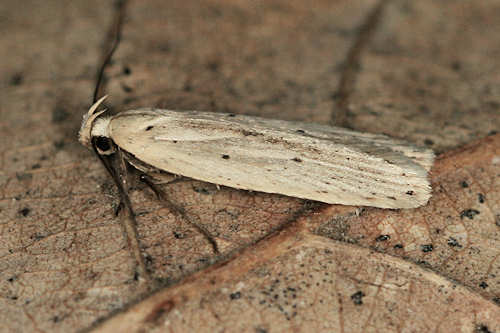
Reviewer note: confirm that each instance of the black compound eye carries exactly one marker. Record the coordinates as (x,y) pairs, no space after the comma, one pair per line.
(102,143)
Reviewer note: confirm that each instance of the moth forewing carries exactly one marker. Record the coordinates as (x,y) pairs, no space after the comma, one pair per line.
(305,160)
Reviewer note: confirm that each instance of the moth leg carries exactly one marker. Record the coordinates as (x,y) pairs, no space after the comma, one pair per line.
(122,167)
(122,177)
(127,218)
(178,211)
(129,222)
(147,179)
(119,207)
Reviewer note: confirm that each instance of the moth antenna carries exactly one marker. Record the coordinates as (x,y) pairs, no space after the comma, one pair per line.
(85,133)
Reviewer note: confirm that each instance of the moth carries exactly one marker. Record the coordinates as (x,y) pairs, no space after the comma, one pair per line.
(298,159)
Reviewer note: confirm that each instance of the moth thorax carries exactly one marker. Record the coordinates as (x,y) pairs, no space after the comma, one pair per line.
(100,127)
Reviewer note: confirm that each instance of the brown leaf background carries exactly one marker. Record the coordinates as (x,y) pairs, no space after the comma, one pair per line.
(424,71)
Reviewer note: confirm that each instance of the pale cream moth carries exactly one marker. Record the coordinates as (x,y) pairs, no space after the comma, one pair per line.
(299,159)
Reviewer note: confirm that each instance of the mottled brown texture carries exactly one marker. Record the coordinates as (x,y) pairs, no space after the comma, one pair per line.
(427,73)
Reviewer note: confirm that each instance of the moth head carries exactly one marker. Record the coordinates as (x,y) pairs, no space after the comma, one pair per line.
(94,130)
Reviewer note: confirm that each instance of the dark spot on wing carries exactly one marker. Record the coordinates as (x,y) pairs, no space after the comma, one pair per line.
(250,133)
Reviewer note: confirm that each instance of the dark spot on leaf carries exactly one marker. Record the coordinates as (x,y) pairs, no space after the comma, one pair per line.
(300,131)
(427,247)
(357,297)
(213,66)
(226,157)
(179,235)
(149,128)
(37,236)
(382,238)
(236,295)
(148,260)
(25,211)
(483,285)
(296,159)
(392,198)
(410,192)
(126,70)
(453,242)
(17,79)
(470,213)
(483,329)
